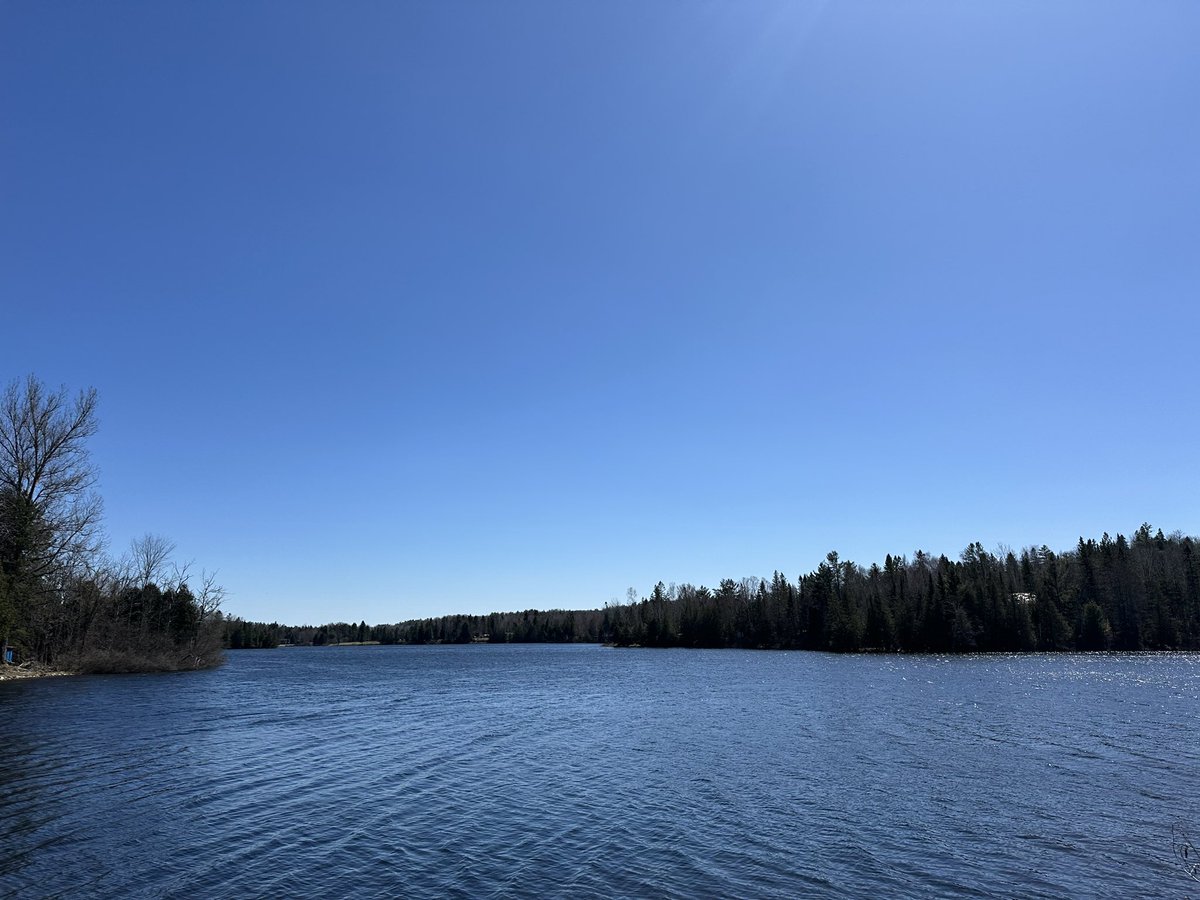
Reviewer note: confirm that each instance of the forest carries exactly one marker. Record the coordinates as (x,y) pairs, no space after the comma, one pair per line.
(64,603)
(556,626)
(1138,593)
(1141,593)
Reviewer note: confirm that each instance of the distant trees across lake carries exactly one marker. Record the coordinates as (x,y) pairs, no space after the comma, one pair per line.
(1141,593)
(1116,593)
(556,626)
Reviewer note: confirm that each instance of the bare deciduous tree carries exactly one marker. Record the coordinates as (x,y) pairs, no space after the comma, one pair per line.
(49,516)
(149,556)
(210,595)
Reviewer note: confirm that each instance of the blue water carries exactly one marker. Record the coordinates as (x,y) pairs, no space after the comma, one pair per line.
(575,771)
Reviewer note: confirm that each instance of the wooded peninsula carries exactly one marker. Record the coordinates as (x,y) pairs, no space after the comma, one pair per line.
(65,604)
(1140,593)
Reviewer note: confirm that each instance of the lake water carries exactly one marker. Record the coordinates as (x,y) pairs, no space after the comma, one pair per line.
(576,771)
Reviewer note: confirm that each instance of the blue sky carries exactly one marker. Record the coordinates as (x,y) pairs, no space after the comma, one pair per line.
(403,309)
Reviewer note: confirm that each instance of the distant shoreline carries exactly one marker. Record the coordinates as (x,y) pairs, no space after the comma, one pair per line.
(333,644)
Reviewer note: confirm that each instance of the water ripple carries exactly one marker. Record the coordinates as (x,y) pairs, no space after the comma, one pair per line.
(581,771)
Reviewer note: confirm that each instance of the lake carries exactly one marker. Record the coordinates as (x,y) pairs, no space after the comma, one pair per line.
(575,771)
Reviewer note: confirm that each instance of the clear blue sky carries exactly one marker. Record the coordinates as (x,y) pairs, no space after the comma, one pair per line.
(403,309)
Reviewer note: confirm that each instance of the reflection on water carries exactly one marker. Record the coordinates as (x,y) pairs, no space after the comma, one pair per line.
(576,771)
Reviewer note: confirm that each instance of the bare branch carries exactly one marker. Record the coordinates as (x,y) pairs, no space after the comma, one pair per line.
(1185,851)
(150,555)
(49,517)
(210,595)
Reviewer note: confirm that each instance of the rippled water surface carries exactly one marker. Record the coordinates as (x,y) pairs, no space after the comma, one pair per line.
(571,771)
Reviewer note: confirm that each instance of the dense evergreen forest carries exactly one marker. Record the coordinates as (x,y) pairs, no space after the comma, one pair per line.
(1115,593)
(556,626)
(1118,594)
(63,602)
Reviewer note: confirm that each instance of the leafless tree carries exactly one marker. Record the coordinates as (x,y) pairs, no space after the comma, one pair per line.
(49,515)
(210,595)
(149,557)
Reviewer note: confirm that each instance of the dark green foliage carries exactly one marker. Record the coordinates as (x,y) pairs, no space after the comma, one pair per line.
(1142,594)
(146,629)
(88,624)
(531,626)
(1094,631)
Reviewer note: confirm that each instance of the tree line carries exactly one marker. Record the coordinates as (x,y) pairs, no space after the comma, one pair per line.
(531,626)
(1140,593)
(63,601)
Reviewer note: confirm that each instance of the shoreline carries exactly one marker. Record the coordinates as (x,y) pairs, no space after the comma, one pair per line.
(20,673)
